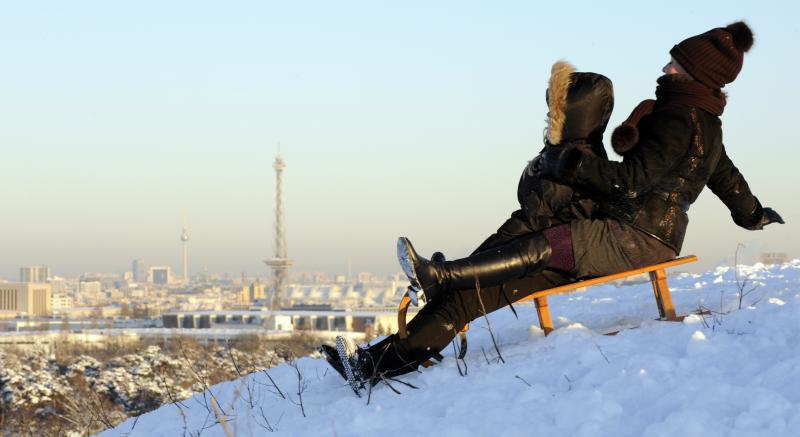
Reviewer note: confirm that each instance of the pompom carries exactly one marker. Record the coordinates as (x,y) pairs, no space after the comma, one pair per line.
(742,35)
(624,138)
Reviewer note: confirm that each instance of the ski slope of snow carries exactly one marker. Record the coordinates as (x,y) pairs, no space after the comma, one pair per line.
(732,372)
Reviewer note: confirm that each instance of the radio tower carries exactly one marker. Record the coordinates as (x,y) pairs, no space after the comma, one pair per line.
(185,240)
(280,263)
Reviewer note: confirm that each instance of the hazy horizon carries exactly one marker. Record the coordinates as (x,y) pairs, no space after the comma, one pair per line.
(120,122)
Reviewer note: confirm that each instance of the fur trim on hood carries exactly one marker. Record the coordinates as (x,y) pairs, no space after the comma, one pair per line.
(557,88)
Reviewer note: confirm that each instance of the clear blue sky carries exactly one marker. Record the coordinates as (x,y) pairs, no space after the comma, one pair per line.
(404,118)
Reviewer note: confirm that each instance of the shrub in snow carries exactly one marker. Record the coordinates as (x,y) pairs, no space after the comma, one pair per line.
(41,394)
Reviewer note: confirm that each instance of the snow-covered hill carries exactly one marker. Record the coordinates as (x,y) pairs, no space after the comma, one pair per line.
(735,372)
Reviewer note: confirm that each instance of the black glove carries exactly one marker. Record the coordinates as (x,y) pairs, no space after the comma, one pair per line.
(768,215)
(557,163)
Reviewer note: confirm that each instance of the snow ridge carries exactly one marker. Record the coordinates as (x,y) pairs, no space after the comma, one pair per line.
(730,372)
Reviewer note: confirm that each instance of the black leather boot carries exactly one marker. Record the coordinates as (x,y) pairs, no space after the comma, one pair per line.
(521,256)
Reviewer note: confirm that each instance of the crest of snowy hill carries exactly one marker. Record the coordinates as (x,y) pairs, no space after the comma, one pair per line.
(730,372)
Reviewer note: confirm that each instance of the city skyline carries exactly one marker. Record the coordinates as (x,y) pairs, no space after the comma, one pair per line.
(412,120)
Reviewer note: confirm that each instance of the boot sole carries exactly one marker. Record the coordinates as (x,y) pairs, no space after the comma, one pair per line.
(404,258)
(343,349)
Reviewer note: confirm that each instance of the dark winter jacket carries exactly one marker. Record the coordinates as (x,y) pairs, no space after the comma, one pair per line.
(580,105)
(678,153)
(545,203)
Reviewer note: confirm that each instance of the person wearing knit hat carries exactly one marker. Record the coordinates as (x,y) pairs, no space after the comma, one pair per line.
(671,146)
(714,58)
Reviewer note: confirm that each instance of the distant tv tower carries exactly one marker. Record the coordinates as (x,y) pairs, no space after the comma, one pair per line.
(280,263)
(185,240)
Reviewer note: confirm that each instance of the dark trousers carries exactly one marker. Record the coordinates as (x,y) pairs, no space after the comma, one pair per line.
(601,247)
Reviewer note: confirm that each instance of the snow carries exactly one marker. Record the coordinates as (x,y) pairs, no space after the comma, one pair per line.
(729,372)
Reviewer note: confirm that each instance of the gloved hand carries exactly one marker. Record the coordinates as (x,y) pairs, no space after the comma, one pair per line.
(768,215)
(557,163)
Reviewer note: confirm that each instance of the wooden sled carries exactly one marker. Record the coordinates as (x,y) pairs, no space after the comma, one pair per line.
(658,279)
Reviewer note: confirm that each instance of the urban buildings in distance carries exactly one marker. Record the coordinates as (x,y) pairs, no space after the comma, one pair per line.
(35,274)
(29,299)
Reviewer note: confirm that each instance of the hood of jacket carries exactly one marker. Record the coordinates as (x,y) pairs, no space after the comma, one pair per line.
(579,105)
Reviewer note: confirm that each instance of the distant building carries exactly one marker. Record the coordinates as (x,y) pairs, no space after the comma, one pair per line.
(58,285)
(254,292)
(61,301)
(34,274)
(371,322)
(90,291)
(32,299)
(773,258)
(365,277)
(160,275)
(311,278)
(347,295)
(139,271)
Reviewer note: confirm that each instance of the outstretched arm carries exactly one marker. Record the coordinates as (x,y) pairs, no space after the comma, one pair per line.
(730,186)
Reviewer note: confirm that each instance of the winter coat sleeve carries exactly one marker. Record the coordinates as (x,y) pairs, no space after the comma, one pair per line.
(541,199)
(662,145)
(729,185)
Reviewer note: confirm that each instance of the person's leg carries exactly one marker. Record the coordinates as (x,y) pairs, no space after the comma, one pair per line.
(523,256)
(599,247)
(606,246)
(516,226)
(432,329)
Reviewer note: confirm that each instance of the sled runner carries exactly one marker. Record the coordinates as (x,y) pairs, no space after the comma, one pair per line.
(658,279)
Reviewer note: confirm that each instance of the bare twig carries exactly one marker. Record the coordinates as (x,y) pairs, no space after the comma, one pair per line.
(178,404)
(172,398)
(486,317)
(101,412)
(523,380)
(135,421)
(741,284)
(385,381)
(484,355)
(301,387)
(199,378)
(407,384)
(272,381)
(266,425)
(220,418)
(702,314)
(602,353)
(458,353)
(455,355)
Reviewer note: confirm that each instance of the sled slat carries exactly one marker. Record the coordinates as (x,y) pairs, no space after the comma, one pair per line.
(609,278)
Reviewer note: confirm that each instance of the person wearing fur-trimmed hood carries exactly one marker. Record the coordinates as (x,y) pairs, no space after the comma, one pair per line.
(552,239)
(579,105)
